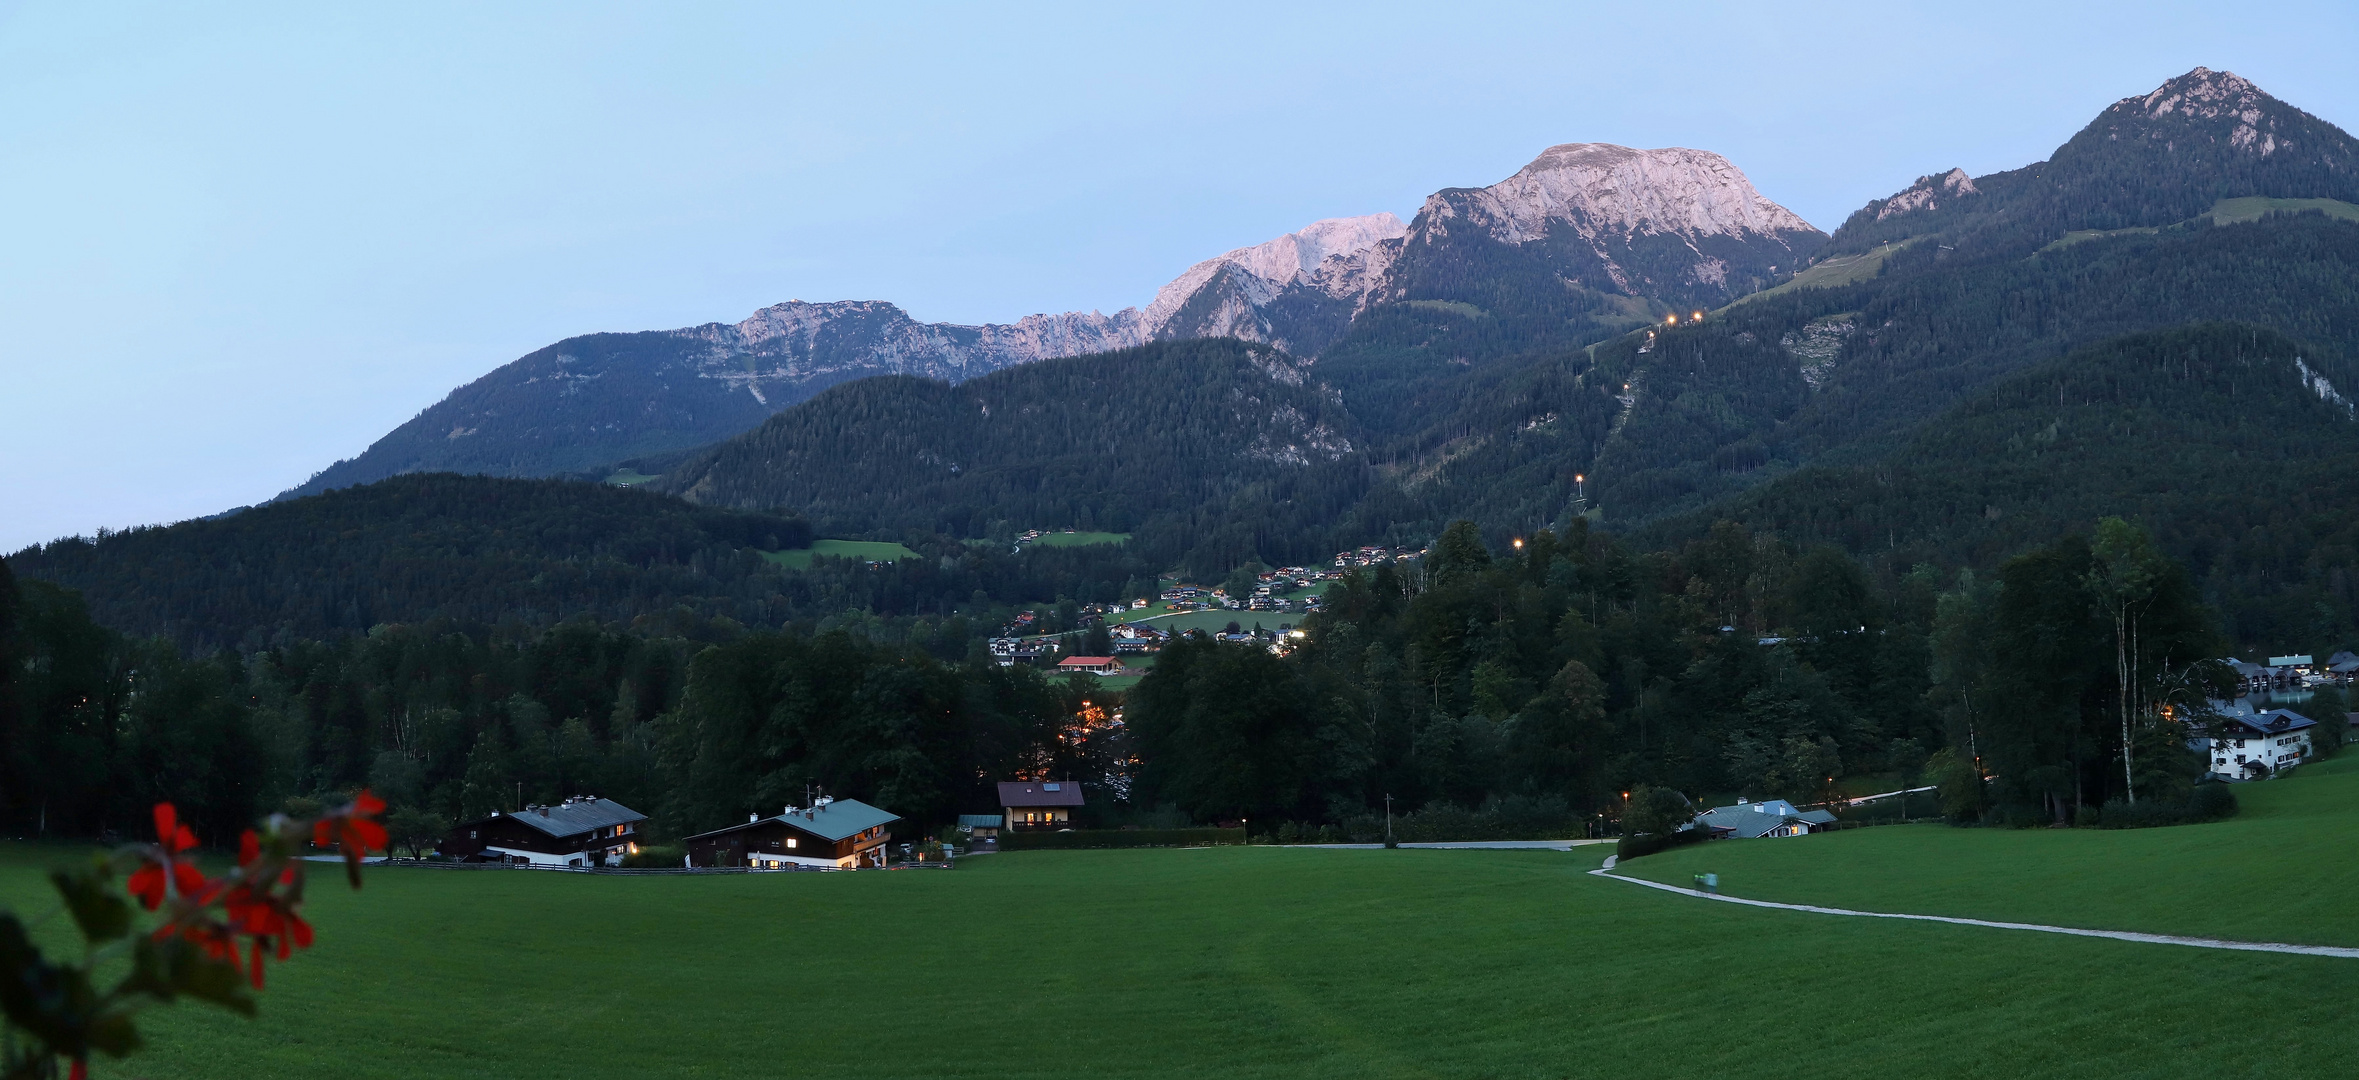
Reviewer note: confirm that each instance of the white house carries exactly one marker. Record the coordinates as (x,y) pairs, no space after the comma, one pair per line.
(2256,746)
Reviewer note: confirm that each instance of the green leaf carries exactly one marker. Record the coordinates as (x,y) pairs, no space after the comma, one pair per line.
(101,912)
(172,967)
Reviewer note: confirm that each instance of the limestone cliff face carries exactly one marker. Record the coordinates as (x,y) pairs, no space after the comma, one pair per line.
(1676,225)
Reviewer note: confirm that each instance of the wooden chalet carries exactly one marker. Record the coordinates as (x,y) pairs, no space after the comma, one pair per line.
(830,834)
(581,831)
(1032,805)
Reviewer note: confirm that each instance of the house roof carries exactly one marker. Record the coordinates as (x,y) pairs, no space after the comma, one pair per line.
(1087,661)
(832,820)
(1749,820)
(576,816)
(1039,793)
(978,821)
(2274,722)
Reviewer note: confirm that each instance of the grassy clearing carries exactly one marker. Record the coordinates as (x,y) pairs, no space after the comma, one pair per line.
(1840,270)
(1232,962)
(629,478)
(871,550)
(1459,308)
(2250,208)
(1081,539)
(2278,871)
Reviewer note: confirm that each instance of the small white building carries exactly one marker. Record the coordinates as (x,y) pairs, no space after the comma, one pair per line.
(2256,746)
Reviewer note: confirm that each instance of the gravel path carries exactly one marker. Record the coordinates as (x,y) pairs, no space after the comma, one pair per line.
(2118,935)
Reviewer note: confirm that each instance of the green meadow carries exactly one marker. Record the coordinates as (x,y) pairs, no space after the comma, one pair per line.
(1081,539)
(2280,870)
(871,550)
(1297,962)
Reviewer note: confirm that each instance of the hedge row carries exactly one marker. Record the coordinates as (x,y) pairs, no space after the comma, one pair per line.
(2208,802)
(1631,847)
(1116,838)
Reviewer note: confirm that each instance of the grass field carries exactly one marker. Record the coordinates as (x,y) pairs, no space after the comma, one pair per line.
(2281,870)
(1300,963)
(1081,539)
(629,478)
(1839,270)
(2250,208)
(873,551)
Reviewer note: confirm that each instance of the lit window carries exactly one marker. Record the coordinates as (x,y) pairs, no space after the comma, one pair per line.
(790,841)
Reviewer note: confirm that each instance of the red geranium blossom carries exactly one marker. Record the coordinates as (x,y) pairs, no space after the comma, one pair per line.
(351,830)
(165,870)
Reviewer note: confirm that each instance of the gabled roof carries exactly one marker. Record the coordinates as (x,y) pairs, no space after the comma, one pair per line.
(978,821)
(1087,661)
(1749,820)
(833,820)
(1039,793)
(576,816)
(2273,722)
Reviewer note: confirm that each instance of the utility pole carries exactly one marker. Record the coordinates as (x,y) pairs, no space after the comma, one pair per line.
(1388,841)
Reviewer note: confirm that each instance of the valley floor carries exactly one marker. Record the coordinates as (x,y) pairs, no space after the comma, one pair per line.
(1292,962)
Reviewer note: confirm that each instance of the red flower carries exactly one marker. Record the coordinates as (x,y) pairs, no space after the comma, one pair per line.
(164,867)
(351,830)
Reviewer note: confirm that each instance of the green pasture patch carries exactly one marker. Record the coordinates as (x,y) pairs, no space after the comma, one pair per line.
(1449,307)
(1839,270)
(1081,539)
(2278,871)
(2250,208)
(1281,963)
(871,550)
(630,477)
(2083,235)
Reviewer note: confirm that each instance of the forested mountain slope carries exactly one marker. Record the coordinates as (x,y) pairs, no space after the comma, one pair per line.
(2236,445)
(589,400)
(1665,420)
(478,554)
(1210,451)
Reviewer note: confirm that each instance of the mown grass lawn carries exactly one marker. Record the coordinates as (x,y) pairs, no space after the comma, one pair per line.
(2281,870)
(1233,962)
(871,550)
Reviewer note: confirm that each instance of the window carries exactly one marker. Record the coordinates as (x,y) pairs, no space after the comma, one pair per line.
(790,841)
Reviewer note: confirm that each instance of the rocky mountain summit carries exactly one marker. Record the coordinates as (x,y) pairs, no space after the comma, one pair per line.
(1676,225)
(2152,160)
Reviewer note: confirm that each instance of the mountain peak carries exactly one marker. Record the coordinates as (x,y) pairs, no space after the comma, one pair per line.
(1301,256)
(2203,93)
(1606,189)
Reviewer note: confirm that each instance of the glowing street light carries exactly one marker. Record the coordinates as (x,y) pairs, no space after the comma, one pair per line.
(1519,543)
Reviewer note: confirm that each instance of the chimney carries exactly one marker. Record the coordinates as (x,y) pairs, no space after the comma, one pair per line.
(751,818)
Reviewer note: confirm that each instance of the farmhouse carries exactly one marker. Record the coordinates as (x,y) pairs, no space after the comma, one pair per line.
(1095,665)
(1039,805)
(1775,817)
(830,834)
(2256,746)
(581,831)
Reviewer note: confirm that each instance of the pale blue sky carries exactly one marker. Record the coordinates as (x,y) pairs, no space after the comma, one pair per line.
(237,245)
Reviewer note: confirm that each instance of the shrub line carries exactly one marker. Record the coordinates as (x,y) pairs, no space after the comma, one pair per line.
(2117,935)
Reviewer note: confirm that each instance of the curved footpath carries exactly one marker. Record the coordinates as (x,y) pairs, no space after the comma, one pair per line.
(2118,935)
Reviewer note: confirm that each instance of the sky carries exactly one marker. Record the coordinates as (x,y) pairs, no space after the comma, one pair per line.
(238,243)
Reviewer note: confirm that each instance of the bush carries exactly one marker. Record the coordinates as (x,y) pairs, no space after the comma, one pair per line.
(655,857)
(2207,802)
(1631,847)
(1117,838)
